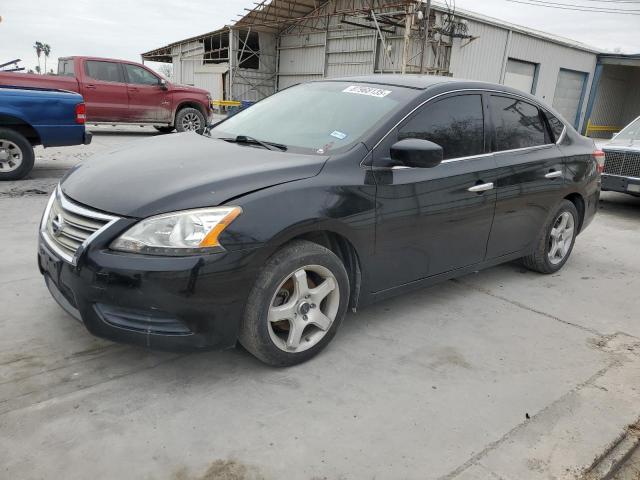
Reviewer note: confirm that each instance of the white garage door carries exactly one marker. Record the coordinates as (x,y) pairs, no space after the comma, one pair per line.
(569,91)
(520,75)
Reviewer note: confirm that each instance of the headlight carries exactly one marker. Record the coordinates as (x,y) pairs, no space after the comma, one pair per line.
(190,232)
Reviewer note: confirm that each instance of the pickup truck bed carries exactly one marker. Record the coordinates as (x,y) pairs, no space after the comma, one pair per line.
(29,117)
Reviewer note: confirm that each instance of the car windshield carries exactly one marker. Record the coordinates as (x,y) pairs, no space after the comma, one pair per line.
(631,131)
(318,117)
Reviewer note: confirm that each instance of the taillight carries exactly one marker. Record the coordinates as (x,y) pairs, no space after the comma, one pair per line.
(81,113)
(599,157)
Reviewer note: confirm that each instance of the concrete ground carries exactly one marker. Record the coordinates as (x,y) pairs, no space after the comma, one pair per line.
(505,374)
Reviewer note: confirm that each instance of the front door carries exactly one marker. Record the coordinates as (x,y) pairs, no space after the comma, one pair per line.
(148,102)
(530,174)
(104,91)
(433,220)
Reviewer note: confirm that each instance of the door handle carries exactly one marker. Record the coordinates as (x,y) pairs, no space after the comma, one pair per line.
(483,187)
(90,85)
(133,89)
(553,174)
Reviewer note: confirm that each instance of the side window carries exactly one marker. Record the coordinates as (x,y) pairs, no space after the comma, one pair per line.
(518,124)
(65,68)
(105,71)
(556,126)
(454,123)
(140,76)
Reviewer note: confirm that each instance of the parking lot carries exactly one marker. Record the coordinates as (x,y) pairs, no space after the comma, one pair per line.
(503,374)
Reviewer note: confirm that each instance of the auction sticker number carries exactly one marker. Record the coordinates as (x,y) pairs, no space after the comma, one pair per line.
(372,92)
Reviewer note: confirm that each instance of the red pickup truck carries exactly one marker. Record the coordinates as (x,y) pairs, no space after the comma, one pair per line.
(118,91)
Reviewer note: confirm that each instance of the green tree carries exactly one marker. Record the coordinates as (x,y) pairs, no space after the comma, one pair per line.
(46,49)
(38,46)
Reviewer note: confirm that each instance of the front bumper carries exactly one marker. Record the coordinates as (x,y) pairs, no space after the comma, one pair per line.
(177,304)
(621,184)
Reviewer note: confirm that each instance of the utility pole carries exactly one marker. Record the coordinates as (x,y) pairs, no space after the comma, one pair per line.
(407,37)
(425,47)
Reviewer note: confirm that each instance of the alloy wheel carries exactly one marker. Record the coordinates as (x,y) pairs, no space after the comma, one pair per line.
(10,156)
(303,308)
(561,238)
(191,122)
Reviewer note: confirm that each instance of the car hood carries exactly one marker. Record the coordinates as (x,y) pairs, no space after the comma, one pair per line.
(180,171)
(617,143)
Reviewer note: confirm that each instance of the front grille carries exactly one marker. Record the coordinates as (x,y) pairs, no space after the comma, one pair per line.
(623,163)
(67,225)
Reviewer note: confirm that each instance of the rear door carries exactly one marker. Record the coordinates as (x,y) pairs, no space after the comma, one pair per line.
(148,102)
(530,174)
(104,91)
(428,220)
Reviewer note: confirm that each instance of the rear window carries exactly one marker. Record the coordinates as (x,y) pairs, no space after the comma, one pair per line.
(105,71)
(65,68)
(518,124)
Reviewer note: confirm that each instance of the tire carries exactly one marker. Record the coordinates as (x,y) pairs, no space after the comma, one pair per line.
(164,129)
(16,155)
(276,294)
(543,259)
(190,120)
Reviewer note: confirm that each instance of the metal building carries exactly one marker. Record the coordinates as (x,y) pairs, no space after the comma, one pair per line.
(283,42)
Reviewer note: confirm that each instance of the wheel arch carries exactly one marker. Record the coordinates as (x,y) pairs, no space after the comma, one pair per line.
(189,104)
(578,200)
(21,126)
(342,247)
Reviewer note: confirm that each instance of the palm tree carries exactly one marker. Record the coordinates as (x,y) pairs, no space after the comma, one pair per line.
(46,49)
(38,46)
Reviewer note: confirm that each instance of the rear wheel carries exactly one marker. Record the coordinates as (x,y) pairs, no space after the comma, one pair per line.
(556,242)
(190,120)
(296,305)
(16,155)
(164,129)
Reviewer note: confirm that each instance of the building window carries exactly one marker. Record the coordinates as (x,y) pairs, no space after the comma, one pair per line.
(216,49)
(249,50)
(521,75)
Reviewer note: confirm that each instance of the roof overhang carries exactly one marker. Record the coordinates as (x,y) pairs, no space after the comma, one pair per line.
(631,60)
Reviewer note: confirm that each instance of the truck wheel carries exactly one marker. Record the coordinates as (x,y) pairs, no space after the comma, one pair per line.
(16,155)
(190,120)
(164,129)
(296,305)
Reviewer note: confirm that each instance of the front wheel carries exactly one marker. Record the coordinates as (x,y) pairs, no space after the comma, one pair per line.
(190,120)
(556,242)
(296,305)
(16,155)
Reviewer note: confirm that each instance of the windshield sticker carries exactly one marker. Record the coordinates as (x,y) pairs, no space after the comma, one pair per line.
(370,91)
(338,135)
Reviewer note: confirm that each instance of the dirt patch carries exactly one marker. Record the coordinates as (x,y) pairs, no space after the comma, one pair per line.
(222,470)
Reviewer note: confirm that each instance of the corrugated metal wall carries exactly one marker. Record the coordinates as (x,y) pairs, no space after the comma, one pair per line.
(484,58)
(618,96)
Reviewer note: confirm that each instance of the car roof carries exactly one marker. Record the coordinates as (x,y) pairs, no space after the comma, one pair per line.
(419,82)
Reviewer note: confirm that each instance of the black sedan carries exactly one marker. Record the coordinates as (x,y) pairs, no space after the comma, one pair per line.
(324,197)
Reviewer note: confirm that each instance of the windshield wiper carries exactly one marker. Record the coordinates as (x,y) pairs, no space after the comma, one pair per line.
(254,141)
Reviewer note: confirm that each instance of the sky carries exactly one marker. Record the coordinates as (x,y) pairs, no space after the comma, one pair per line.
(126,28)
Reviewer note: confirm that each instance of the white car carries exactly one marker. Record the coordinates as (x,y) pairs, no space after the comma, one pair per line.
(622,161)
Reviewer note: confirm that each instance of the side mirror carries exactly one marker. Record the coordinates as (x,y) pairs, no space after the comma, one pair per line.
(413,152)
(163,84)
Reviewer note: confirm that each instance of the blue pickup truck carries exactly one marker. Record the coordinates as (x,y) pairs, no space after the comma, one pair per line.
(31,116)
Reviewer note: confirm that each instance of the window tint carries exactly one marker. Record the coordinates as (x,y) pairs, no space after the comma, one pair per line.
(556,126)
(454,123)
(140,76)
(105,71)
(65,68)
(518,124)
